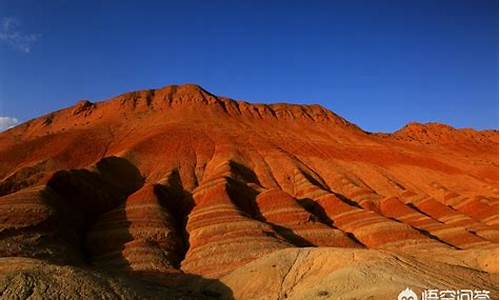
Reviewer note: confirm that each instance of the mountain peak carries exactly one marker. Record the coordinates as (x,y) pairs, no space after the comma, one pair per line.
(434,132)
(186,88)
(193,99)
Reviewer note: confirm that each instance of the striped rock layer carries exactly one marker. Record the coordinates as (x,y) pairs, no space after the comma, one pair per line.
(178,180)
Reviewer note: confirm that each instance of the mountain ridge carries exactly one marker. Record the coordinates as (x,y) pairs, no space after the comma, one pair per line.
(175,95)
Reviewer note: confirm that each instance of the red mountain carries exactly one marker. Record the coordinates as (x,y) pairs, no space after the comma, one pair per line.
(194,193)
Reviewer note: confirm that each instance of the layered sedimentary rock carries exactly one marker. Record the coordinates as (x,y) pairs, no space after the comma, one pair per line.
(455,236)
(139,235)
(178,182)
(35,222)
(447,215)
(221,236)
(299,226)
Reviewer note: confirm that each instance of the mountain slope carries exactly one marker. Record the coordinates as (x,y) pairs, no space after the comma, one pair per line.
(178,180)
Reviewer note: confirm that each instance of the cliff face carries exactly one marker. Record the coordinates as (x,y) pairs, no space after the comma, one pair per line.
(177,180)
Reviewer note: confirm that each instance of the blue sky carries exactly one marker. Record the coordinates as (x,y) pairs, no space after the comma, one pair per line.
(380,64)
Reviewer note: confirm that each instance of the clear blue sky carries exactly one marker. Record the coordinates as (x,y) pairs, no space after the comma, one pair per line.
(379,63)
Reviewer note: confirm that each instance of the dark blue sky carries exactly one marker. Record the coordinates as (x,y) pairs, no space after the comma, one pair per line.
(380,63)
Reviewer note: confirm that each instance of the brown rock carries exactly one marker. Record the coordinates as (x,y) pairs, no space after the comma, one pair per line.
(180,183)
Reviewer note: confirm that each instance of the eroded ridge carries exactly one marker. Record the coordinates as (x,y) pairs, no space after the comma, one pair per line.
(221,236)
(139,235)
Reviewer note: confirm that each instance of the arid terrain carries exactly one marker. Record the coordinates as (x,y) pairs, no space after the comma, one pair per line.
(176,193)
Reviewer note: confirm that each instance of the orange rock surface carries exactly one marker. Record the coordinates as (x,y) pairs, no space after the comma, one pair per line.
(180,181)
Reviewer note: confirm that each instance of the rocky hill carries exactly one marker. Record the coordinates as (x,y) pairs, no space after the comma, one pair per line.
(176,192)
